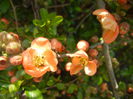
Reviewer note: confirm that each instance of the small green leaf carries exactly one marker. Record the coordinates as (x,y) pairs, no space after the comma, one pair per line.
(39,23)
(44,14)
(79,95)
(50,82)
(26,43)
(34,94)
(4,6)
(12,88)
(57,20)
(60,86)
(72,88)
(122,86)
(20,73)
(69,44)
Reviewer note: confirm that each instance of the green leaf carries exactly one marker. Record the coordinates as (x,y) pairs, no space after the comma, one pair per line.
(50,82)
(15,87)
(12,88)
(34,94)
(26,43)
(44,14)
(72,88)
(51,15)
(57,20)
(60,86)
(39,23)
(20,73)
(79,95)
(122,86)
(70,42)
(4,6)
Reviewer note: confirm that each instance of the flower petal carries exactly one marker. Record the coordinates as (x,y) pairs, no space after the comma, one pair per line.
(75,69)
(91,69)
(81,53)
(37,72)
(51,59)
(41,42)
(100,12)
(109,36)
(27,58)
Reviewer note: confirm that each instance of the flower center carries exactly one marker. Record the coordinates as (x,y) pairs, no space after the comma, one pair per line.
(83,61)
(39,60)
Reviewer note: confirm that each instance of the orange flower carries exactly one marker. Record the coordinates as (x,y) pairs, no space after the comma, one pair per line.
(109,25)
(3,63)
(39,58)
(81,61)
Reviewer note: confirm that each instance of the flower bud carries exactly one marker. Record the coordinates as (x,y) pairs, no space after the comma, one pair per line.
(13,48)
(39,79)
(4,20)
(82,45)
(94,39)
(57,45)
(16,60)
(3,63)
(11,73)
(93,52)
(13,79)
(124,27)
(8,37)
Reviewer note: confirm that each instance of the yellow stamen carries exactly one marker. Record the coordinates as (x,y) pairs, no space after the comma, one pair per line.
(83,61)
(39,61)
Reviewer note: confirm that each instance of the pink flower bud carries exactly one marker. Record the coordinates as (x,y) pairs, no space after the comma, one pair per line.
(3,63)
(8,37)
(13,48)
(13,79)
(16,60)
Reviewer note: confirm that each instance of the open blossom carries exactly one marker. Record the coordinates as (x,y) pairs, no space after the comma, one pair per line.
(39,58)
(80,60)
(109,25)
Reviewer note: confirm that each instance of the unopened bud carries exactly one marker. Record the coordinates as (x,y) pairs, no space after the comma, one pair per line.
(3,63)
(13,48)
(16,60)
(8,37)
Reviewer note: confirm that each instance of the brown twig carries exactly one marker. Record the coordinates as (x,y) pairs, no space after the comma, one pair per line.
(110,69)
(59,6)
(15,15)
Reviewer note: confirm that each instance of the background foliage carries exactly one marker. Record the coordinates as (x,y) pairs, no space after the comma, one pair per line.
(69,21)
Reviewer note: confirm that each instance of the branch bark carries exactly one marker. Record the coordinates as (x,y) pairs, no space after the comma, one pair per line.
(110,70)
(15,15)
